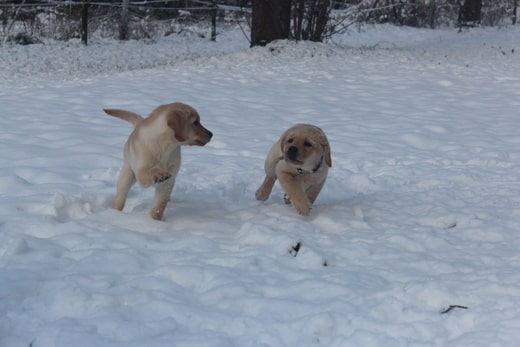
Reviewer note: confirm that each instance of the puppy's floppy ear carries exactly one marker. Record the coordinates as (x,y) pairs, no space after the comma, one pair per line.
(328,159)
(177,122)
(282,141)
(326,150)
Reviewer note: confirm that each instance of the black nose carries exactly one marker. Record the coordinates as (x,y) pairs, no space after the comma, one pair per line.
(210,134)
(292,151)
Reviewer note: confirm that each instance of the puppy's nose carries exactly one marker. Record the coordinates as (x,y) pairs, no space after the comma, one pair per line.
(292,151)
(210,134)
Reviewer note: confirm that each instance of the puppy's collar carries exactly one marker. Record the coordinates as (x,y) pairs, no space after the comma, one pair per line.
(316,168)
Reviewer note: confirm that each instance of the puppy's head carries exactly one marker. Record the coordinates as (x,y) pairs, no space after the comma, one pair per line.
(184,120)
(305,146)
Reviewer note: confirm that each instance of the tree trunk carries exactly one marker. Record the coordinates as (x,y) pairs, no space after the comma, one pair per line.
(298,13)
(515,8)
(123,26)
(431,13)
(470,11)
(320,15)
(214,21)
(84,22)
(271,21)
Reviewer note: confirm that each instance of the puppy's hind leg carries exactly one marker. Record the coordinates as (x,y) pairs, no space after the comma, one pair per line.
(265,189)
(124,182)
(163,192)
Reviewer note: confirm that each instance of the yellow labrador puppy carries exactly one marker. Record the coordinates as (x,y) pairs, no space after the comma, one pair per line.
(300,159)
(152,154)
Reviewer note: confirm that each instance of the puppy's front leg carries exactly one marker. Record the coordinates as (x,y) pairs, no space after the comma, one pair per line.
(265,189)
(292,185)
(314,190)
(162,196)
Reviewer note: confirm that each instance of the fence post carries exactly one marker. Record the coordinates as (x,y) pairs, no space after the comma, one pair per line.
(84,22)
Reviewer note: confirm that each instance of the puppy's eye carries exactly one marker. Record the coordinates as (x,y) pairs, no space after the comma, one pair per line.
(196,123)
(290,141)
(307,144)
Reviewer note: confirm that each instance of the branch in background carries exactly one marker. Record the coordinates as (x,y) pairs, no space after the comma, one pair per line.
(15,16)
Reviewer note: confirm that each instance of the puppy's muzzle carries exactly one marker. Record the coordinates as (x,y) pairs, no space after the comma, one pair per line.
(292,153)
(205,138)
(209,135)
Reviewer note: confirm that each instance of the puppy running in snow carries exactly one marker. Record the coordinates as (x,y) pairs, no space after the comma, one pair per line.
(152,154)
(300,159)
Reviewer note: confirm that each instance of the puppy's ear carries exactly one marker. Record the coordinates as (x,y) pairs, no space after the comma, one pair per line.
(328,159)
(177,122)
(326,150)
(282,141)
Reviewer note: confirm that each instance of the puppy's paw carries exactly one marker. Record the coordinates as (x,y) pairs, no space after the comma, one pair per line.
(262,194)
(286,199)
(265,189)
(303,209)
(156,214)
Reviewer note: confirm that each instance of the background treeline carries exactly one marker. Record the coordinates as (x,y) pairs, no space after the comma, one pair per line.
(30,21)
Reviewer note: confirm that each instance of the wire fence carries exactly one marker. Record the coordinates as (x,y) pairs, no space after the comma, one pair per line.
(30,21)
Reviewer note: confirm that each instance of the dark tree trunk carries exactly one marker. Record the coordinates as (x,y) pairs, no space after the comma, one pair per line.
(515,9)
(470,11)
(431,14)
(84,23)
(123,25)
(319,18)
(271,21)
(298,16)
(214,21)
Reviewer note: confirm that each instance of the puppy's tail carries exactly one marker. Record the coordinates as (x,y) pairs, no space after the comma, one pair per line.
(131,117)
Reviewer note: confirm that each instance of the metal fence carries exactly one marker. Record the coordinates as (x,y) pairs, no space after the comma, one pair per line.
(26,21)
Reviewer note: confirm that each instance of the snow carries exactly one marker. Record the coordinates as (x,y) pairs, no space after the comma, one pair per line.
(421,210)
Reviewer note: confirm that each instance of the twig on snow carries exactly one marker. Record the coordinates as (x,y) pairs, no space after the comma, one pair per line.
(451,307)
(295,249)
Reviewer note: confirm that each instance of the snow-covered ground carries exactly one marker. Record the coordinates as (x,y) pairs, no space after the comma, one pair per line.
(421,211)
